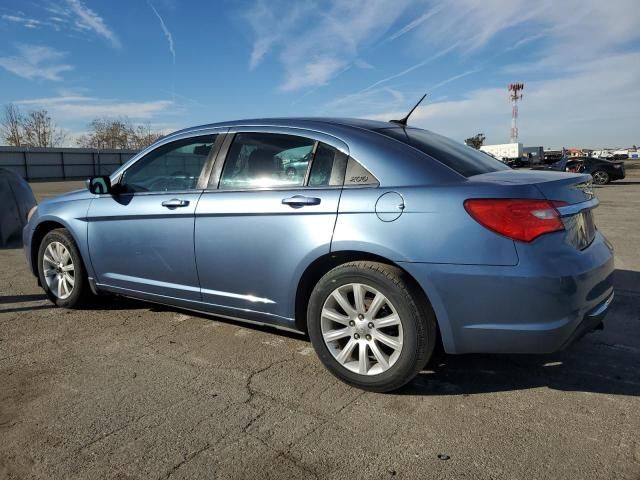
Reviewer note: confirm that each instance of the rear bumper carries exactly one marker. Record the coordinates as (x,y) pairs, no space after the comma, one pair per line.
(533,307)
(618,175)
(591,321)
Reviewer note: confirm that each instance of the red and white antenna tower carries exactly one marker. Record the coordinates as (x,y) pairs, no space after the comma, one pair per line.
(515,94)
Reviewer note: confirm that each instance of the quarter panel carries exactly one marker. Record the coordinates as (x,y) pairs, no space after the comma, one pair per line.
(434,228)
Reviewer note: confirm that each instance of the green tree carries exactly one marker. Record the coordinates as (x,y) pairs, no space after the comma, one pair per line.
(476,141)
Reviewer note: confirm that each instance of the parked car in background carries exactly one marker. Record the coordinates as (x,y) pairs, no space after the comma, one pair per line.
(393,240)
(603,171)
(522,162)
(562,165)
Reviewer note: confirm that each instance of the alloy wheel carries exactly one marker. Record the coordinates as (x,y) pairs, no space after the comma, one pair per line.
(59,271)
(600,177)
(362,329)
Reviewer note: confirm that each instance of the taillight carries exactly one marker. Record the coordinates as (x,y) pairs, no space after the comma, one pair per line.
(519,219)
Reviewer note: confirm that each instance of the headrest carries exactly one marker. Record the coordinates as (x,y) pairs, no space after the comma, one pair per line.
(260,163)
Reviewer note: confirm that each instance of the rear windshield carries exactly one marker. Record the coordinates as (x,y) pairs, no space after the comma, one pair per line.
(457,156)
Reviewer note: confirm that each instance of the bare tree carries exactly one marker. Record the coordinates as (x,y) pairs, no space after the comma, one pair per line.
(143,136)
(11,128)
(117,133)
(41,131)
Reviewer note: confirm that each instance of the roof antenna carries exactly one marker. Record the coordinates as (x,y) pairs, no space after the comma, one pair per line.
(404,120)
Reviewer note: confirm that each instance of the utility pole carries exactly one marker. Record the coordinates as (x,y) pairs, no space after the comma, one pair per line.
(515,94)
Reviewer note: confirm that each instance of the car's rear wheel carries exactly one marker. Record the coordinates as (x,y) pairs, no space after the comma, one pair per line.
(61,271)
(370,326)
(600,177)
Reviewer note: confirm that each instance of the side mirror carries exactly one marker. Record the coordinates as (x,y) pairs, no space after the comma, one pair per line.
(99,185)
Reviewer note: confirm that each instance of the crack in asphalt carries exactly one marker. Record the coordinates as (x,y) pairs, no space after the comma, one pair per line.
(286,455)
(187,458)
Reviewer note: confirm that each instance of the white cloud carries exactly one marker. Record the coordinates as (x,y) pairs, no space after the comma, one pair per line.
(582,80)
(412,68)
(36,62)
(571,28)
(589,107)
(22,20)
(271,26)
(376,98)
(316,72)
(413,24)
(314,42)
(66,15)
(79,107)
(370,100)
(87,19)
(166,32)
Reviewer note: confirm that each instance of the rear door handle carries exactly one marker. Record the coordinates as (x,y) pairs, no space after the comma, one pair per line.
(175,203)
(298,201)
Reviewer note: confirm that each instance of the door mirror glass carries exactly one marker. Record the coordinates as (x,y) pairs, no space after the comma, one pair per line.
(99,185)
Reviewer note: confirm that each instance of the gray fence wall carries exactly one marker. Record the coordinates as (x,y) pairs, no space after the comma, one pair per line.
(62,163)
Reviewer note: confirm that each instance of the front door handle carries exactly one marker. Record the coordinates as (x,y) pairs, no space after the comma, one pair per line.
(298,201)
(175,203)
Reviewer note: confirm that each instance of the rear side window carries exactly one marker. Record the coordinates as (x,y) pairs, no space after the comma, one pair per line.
(457,156)
(259,160)
(270,160)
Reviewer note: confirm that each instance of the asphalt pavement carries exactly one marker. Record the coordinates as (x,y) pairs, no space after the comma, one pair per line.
(130,390)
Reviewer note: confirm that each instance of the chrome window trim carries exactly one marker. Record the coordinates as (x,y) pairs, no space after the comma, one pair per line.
(576,208)
(222,153)
(115,176)
(311,134)
(312,158)
(274,189)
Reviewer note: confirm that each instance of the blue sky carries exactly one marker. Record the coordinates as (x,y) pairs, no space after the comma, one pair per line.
(176,64)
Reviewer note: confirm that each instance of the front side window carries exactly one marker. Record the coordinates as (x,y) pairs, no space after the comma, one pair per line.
(175,166)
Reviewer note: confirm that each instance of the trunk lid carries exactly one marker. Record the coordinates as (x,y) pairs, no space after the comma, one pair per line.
(565,187)
(574,190)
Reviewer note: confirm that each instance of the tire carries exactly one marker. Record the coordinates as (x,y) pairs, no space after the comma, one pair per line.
(600,177)
(407,317)
(77,290)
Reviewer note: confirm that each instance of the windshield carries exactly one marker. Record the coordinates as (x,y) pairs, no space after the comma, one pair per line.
(463,159)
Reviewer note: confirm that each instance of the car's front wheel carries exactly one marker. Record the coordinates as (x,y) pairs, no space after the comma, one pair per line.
(370,326)
(61,271)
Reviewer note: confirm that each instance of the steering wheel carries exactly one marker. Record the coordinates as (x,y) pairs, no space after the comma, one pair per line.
(158,185)
(176,183)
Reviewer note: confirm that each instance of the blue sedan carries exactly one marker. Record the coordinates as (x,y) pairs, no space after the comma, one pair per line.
(386,241)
